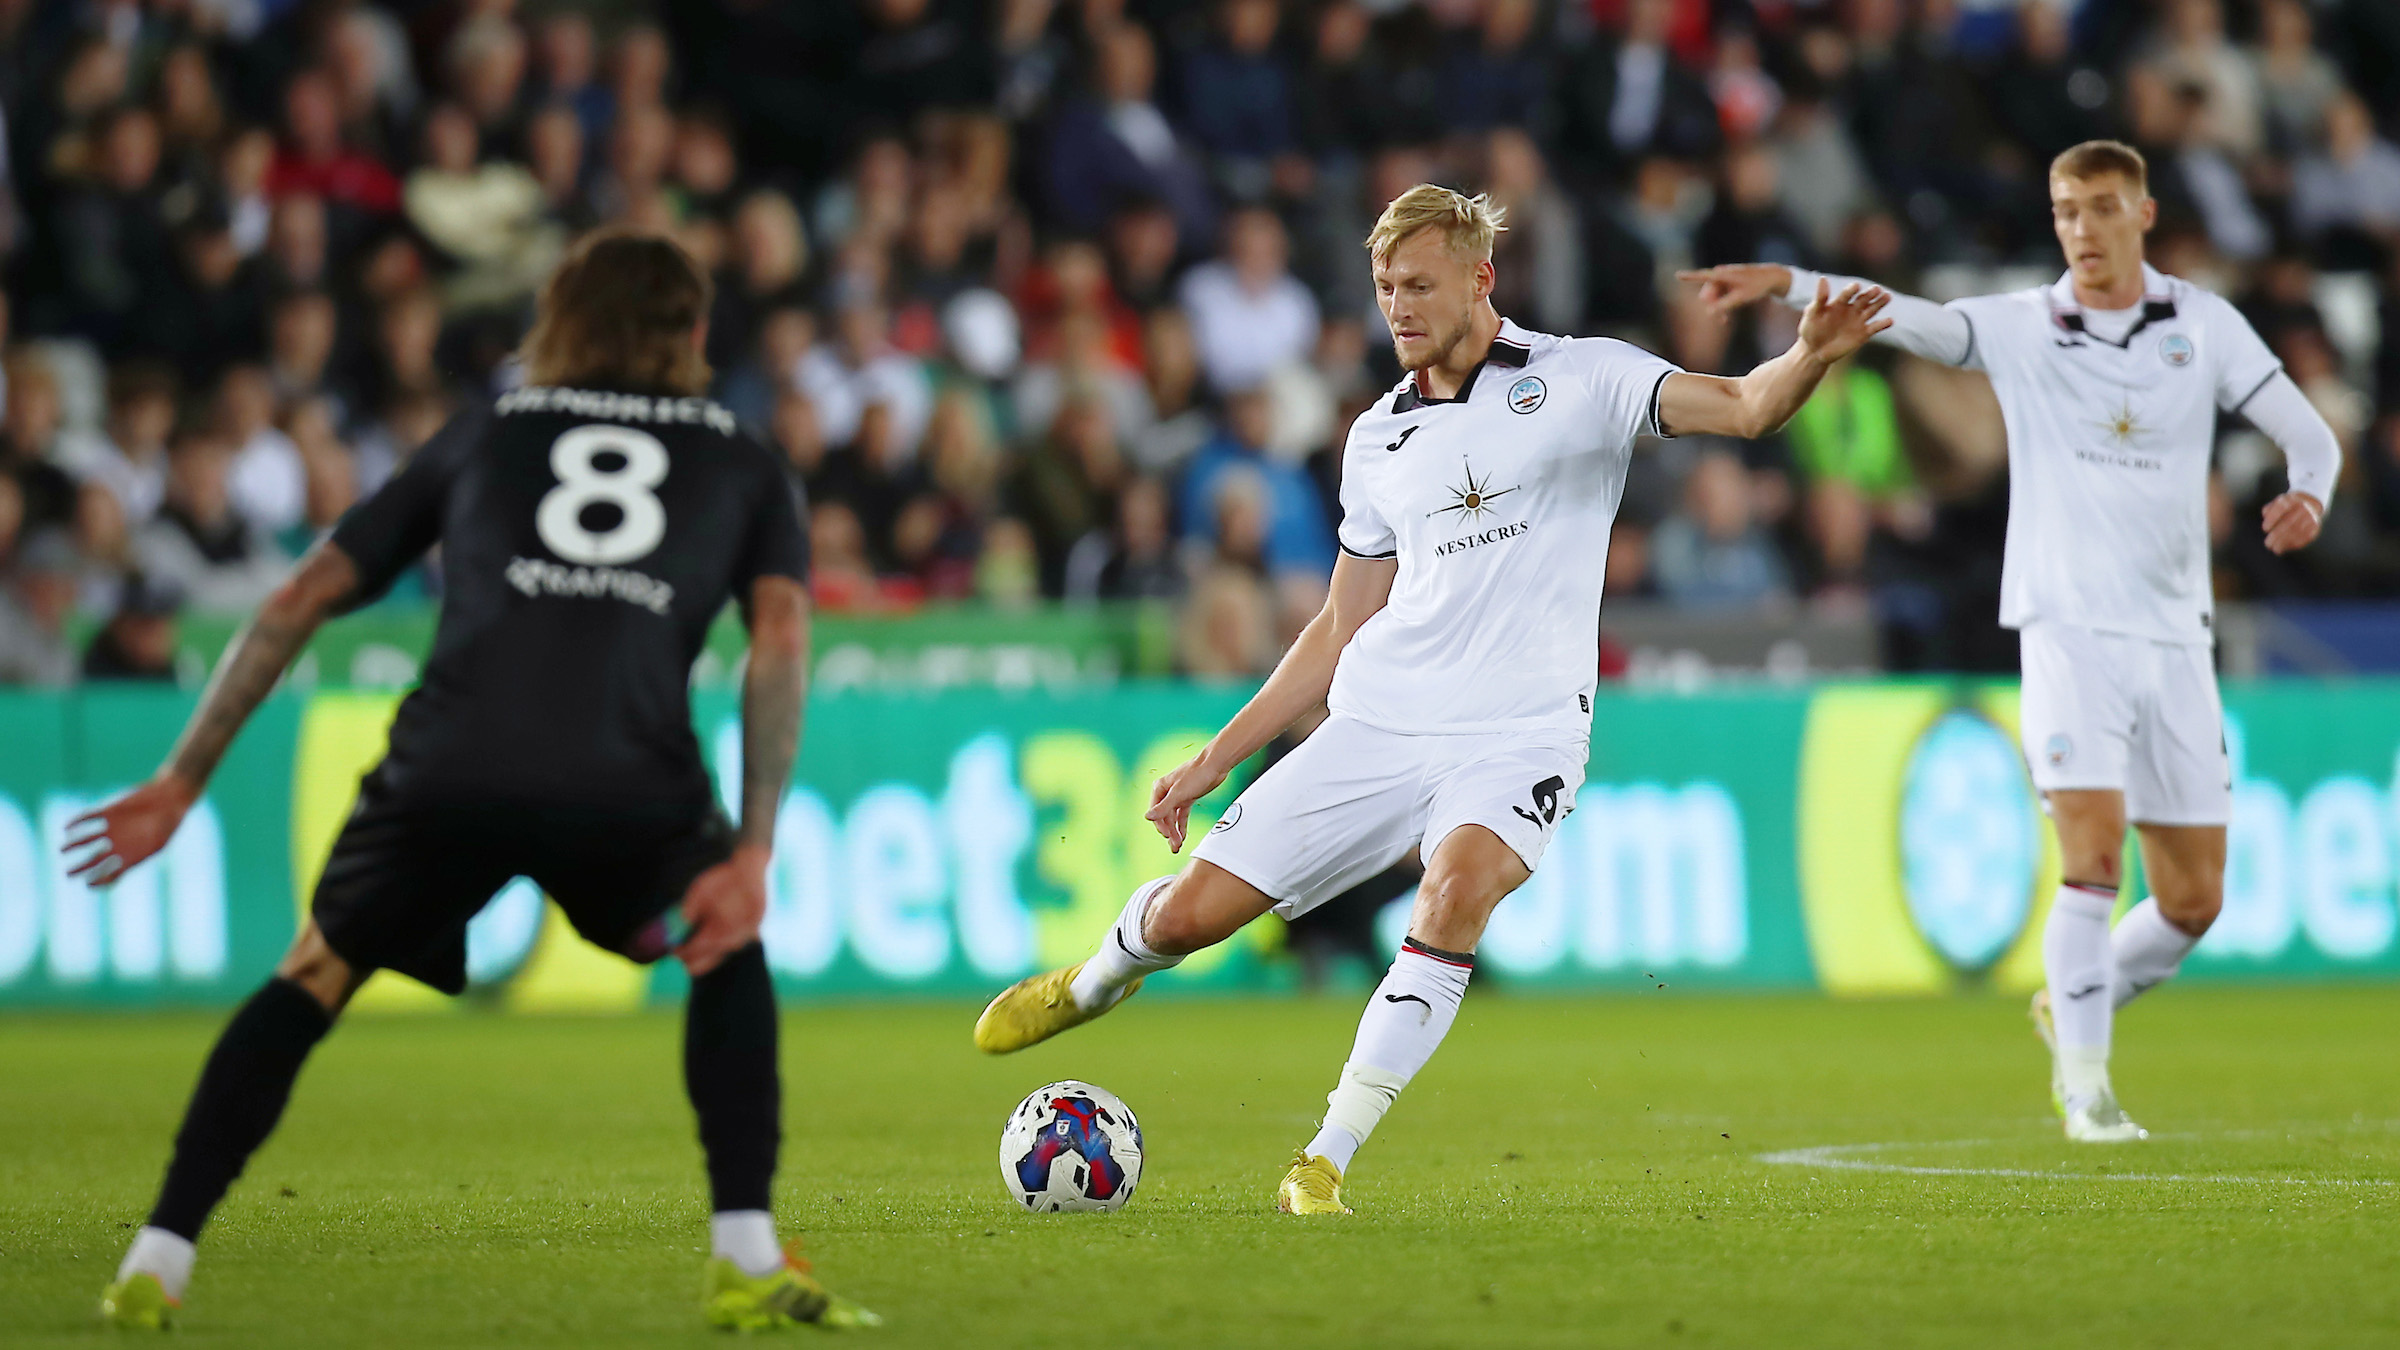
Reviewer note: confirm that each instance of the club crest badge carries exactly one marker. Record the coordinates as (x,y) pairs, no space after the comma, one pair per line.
(1527,394)
(2176,350)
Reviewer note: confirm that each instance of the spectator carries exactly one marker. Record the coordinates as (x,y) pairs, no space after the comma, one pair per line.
(555,141)
(37,594)
(861,369)
(385,442)
(1748,223)
(212,308)
(1142,251)
(267,481)
(1178,425)
(1066,486)
(1083,365)
(1114,145)
(486,67)
(1237,100)
(129,461)
(875,478)
(242,166)
(1228,629)
(840,577)
(939,536)
(769,257)
(567,61)
(201,543)
(2296,82)
(2347,199)
(315,161)
(921,54)
(300,335)
(787,331)
(1539,257)
(112,233)
(2190,49)
(1629,99)
(28,439)
(1134,559)
(489,219)
(1295,537)
(1502,79)
(796,436)
(1249,314)
(138,641)
(1711,554)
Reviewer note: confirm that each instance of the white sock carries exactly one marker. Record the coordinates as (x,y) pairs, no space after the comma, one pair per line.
(2082,969)
(1124,955)
(2149,950)
(158,1252)
(746,1237)
(1405,1019)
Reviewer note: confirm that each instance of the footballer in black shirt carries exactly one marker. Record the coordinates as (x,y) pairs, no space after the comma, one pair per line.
(592,524)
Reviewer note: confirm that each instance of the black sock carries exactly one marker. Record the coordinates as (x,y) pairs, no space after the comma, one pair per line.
(242,1091)
(729,1070)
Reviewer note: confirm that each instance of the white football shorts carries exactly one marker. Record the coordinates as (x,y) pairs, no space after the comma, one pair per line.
(1353,799)
(2108,710)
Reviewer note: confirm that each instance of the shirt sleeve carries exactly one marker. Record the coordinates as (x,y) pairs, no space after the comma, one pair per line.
(1944,333)
(385,534)
(1364,533)
(2312,454)
(1623,382)
(776,541)
(2244,363)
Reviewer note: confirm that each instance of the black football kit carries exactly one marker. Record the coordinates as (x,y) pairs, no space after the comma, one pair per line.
(588,540)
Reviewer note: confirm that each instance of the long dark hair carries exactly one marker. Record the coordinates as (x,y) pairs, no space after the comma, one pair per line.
(619,314)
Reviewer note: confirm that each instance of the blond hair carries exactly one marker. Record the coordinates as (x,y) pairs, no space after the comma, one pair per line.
(1468,224)
(2093,158)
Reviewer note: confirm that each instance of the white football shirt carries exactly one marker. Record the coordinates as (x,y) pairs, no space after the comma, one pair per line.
(2111,421)
(1497,504)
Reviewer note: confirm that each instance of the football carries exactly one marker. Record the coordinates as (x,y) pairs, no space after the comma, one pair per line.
(1071,1146)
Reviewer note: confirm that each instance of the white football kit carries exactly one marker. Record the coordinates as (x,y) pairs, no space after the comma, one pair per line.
(1467,698)
(2111,420)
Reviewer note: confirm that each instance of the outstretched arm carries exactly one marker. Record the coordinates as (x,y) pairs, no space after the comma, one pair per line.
(1765,399)
(139,824)
(2312,457)
(725,904)
(1935,332)
(1360,587)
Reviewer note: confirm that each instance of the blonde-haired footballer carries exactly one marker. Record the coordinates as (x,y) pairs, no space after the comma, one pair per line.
(2110,382)
(1455,652)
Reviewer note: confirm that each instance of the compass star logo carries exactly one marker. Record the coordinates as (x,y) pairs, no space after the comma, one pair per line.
(1473,500)
(2122,426)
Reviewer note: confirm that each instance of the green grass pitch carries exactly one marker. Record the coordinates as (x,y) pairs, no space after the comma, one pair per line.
(1568,1172)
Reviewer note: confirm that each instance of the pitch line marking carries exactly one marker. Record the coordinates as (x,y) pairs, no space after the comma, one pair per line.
(1841,1157)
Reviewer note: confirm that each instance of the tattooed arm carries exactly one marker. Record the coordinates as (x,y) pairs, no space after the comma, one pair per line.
(139,824)
(726,903)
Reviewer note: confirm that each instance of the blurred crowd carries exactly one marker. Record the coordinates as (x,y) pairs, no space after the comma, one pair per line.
(1065,298)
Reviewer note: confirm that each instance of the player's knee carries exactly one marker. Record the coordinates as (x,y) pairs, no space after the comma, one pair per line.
(1180,923)
(2193,910)
(319,971)
(1452,910)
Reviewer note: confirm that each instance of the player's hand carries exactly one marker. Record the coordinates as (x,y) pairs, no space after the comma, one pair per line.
(128,830)
(722,910)
(1171,797)
(2292,521)
(1734,286)
(1834,326)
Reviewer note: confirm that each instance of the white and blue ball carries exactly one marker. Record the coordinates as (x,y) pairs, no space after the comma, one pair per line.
(1071,1146)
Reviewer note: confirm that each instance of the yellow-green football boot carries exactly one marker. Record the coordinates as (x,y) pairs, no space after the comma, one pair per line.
(1036,1008)
(2047,1029)
(138,1303)
(790,1297)
(1313,1186)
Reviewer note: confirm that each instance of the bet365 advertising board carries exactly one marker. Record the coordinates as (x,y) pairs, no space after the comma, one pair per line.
(1866,839)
